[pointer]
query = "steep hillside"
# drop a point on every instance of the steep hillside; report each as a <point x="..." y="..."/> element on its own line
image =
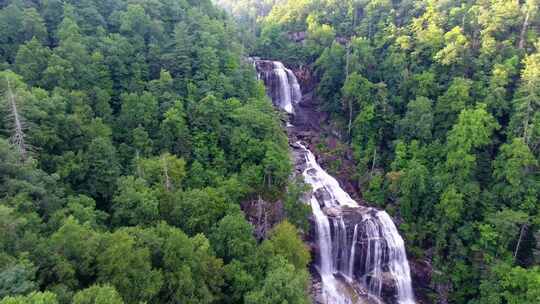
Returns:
<point x="131" y="134"/>
<point x="440" y="102"/>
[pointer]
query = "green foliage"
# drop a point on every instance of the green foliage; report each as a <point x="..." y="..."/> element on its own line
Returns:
<point x="97" y="294"/>
<point x="134" y="117"/>
<point x="32" y="60"/>
<point x="472" y="131"/>
<point x="320" y="36"/>
<point x="166" y="170"/>
<point x="514" y="171"/>
<point x="285" y="241"/>
<point x="83" y="209"/>
<point x="455" y="49"/>
<point x="135" y="203"/>
<point x="375" y="193"/>
<point x="296" y="209"/>
<point x="102" y="171"/>
<point x="198" y="209"/>
<point x="509" y="284"/>
<point x="78" y="245"/>
<point x="17" y="279"/>
<point x="329" y="67"/>
<point x="127" y="268"/>
<point x="521" y="286"/>
<point x="525" y="119"/>
<point x="418" y="121"/>
<point x="194" y="273"/>
<point x="232" y="238"/>
<point x="33" y="298"/>
<point x="238" y="282"/>
<point x="451" y="103"/>
<point x="356" y="94"/>
<point x="283" y="284"/>
<point x="135" y="113"/>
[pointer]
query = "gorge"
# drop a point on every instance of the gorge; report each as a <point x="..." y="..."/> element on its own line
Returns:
<point x="359" y="253"/>
<point x="376" y="152"/>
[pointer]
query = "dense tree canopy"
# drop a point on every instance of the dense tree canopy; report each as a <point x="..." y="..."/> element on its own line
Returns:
<point x="131" y="133"/>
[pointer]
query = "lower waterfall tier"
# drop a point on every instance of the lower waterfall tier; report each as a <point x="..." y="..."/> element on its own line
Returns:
<point x="354" y="244"/>
<point x="366" y="248"/>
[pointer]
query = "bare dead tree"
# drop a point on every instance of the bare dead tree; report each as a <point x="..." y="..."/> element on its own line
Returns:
<point x="523" y="32"/>
<point x="261" y="227"/>
<point x="530" y="9"/>
<point x="140" y="172"/>
<point x="16" y="122"/>
<point x="521" y="233"/>
<point x="168" y="185"/>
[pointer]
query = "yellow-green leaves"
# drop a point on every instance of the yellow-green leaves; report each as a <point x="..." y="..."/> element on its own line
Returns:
<point x="456" y="46"/>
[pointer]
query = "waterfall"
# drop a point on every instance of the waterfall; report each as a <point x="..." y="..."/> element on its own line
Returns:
<point x="397" y="257"/>
<point x="373" y="256"/>
<point x="296" y="93"/>
<point x="332" y="289"/>
<point x="353" y="252"/>
<point x="357" y="245"/>
<point x="283" y="85"/>
<point x="382" y="246"/>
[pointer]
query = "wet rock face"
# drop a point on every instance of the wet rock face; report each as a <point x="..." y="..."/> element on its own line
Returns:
<point x="421" y="272"/>
<point x="265" y="71"/>
<point x="263" y="215"/>
<point x="297" y="36"/>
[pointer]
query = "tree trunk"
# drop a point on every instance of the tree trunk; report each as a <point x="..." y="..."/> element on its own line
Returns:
<point x="262" y="219"/>
<point x="526" y="122"/>
<point x="522" y="231"/>
<point x="521" y="44"/>
<point x="443" y="290"/>
<point x="18" y="135"/>
<point x="139" y="169"/>
<point x="350" y="116"/>
<point x="166" y="174"/>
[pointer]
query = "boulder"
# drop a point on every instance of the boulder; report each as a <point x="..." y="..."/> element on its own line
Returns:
<point x="332" y="211"/>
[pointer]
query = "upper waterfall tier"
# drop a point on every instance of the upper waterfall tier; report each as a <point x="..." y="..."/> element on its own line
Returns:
<point x="283" y="87"/>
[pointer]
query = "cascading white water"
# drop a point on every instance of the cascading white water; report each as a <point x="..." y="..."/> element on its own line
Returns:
<point x="353" y="253"/>
<point x="319" y="180"/>
<point x="296" y="93"/>
<point x="342" y="256"/>
<point x="285" y="91"/>
<point x="375" y="249"/>
<point x="373" y="257"/>
<point x="397" y="257"/>
<point x="331" y="286"/>
<point x="283" y="85"/>
<point x="381" y="243"/>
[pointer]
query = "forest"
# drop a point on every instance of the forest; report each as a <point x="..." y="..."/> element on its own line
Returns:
<point x="130" y="133"/>
<point x="133" y="131"/>
<point x="440" y="101"/>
